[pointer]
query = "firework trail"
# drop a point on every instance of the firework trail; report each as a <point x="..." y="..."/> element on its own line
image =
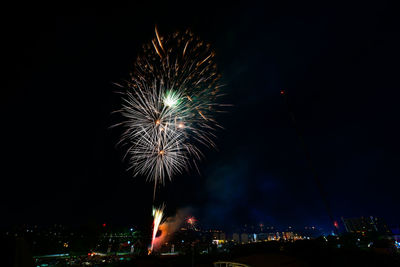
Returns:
<point x="158" y="214"/>
<point x="169" y="106"/>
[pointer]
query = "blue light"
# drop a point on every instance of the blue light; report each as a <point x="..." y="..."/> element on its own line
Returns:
<point x="131" y="229"/>
<point x="129" y="242"/>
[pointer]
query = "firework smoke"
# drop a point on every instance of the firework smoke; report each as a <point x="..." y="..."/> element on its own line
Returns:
<point x="169" y="227"/>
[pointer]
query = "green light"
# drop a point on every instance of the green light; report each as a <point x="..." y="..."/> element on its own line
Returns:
<point x="171" y="99"/>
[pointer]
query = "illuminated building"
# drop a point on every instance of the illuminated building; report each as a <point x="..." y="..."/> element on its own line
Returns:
<point x="365" y="224"/>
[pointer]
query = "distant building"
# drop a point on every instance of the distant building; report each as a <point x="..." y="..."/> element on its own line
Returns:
<point x="244" y="238"/>
<point x="253" y="238"/>
<point x="262" y="236"/>
<point x="218" y="237"/>
<point x="277" y="237"/>
<point x="235" y="237"/>
<point x="396" y="233"/>
<point x="288" y="235"/>
<point x="365" y="225"/>
<point x="215" y="235"/>
<point x="272" y="236"/>
<point x="311" y="231"/>
<point x="222" y="236"/>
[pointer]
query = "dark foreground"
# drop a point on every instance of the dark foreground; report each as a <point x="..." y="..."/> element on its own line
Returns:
<point x="299" y="253"/>
<point x="307" y="255"/>
<point x="317" y="252"/>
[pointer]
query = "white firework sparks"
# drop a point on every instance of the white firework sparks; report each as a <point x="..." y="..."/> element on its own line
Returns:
<point x="158" y="214"/>
<point x="169" y="106"/>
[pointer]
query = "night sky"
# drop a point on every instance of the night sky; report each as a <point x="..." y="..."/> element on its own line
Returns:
<point x="339" y="64"/>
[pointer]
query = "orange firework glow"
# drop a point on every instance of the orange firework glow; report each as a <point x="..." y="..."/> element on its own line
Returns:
<point x="168" y="228"/>
<point x="158" y="217"/>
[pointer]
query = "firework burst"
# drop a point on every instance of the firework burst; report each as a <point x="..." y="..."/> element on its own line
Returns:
<point x="191" y="222"/>
<point x="169" y="106"/>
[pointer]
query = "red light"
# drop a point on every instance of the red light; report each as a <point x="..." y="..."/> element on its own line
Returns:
<point x="104" y="225"/>
<point x="191" y="220"/>
<point x="282" y="92"/>
<point x="336" y="224"/>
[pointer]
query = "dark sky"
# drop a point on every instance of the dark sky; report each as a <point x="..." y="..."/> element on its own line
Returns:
<point x="338" y="62"/>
